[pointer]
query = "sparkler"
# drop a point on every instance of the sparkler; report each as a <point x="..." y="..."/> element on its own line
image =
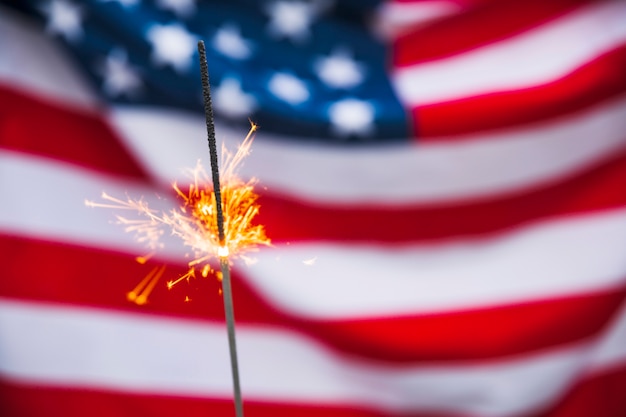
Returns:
<point x="223" y="254"/>
<point x="215" y="222"/>
<point x="195" y="221"/>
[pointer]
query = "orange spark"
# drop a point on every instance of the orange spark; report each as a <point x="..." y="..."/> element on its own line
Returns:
<point x="195" y="222"/>
<point x="139" y="294"/>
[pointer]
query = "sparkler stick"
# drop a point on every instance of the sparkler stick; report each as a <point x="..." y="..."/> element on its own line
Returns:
<point x="223" y="252"/>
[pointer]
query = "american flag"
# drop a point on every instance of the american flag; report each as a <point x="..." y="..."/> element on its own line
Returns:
<point x="444" y="183"/>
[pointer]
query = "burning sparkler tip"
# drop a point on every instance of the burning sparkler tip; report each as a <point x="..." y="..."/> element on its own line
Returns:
<point x="222" y="252"/>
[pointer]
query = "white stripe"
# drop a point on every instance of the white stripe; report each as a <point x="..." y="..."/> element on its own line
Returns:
<point x="402" y="13"/>
<point x="79" y="347"/>
<point x="36" y="64"/>
<point x="567" y="256"/>
<point x="557" y="258"/>
<point x="46" y="200"/>
<point x="538" y="56"/>
<point x="478" y="166"/>
<point x="394" y="18"/>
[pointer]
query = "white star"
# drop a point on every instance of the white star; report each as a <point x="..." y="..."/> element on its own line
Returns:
<point x="119" y="77"/>
<point x="339" y="70"/>
<point x="228" y="41"/>
<point x="352" y="116"/>
<point x="172" y="44"/>
<point x="290" y="19"/>
<point x="289" y="88"/>
<point x="231" y="101"/>
<point x="182" y="8"/>
<point x="65" y="19"/>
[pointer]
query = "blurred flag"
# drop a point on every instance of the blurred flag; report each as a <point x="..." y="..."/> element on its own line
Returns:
<point x="444" y="183"/>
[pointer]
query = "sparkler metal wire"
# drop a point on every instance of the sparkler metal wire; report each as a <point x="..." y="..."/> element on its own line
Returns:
<point x="224" y="264"/>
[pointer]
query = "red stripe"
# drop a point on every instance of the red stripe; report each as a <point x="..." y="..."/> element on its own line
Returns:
<point x="65" y="274"/>
<point x="602" y="395"/>
<point x="599" y="187"/>
<point x="476" y="27"/>
<point x="599" y="80"/>
<point x="476" y="334"/>
<point x="32" y="125"/>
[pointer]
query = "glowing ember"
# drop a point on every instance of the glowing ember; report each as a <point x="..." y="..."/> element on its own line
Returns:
<point x="195" y="223"/>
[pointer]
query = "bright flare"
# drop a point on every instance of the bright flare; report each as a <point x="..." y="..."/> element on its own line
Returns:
<point x="195" y="221"/>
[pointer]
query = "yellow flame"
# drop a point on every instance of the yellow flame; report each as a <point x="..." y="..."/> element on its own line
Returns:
<point x="195" y="220"/>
